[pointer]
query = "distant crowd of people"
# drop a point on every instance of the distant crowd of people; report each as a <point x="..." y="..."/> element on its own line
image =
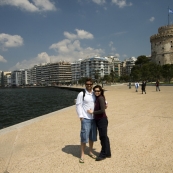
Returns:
<point x="143" y="86"/>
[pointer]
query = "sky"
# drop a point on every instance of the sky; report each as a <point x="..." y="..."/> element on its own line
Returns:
<point x="47" y="31"/>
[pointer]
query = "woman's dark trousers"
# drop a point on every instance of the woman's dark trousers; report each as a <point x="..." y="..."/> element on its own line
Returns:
<point x="102" y="125"/>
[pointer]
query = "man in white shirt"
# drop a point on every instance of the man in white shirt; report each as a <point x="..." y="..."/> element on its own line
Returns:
<point x="136" y="86"/>
<point x="85" y="101"/>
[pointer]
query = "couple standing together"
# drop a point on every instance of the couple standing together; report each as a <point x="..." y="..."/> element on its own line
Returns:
<point x="90" y="107"/>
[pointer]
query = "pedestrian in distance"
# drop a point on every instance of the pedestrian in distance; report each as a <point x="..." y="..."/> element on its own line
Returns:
<point x="157" y="85"/>
<point x="136" y="86"/>
<point x="101" y="122"/>
<point x="88" y="131"/>
<point x="143" y="87"/>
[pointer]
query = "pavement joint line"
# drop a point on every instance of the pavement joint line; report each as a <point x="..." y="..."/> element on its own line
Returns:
<point x="12" y="151"/>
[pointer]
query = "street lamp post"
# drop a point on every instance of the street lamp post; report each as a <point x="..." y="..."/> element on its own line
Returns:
<point x="102" y="77"/>
<point x="130" y="83"/>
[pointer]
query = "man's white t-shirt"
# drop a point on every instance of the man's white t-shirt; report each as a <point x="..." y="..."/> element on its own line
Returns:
<point x="83" y="105"/>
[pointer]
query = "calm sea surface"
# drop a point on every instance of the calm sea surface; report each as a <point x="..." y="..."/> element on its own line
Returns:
<point x="18" y="105"/>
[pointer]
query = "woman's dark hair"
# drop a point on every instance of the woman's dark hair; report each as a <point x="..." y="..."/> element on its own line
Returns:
<point x="100" y="88"/>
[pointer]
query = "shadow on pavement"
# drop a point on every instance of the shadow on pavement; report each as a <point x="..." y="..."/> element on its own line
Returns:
<point x="75" y="150"/>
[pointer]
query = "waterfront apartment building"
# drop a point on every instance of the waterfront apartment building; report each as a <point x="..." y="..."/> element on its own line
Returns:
<point x="76" y="71"/>
<point x="33" y="80"/>
<point x="64" y="72"/>
<point x="128" y="65"/>
<point x="162" y="45"/>
<point x="114" y="65"/>
<point x="95" y="67"/>
<point x="51" y="73"/>
<point x="1" y="78"/>
<point x="60" y="72"/>
<point x="16" y="78"/>
<point x="20" y="77"/>
<point x="40" y="74"/>
<point x="5" y="78"/>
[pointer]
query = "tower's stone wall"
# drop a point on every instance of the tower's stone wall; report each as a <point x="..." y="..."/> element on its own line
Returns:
<point x="162" y="45"/>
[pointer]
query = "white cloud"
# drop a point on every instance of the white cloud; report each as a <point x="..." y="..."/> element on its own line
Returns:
<point x="99" y="2"/>
<point x="67" y="50"/>
<point x="25" y="64"/>
<point x="113" y="49"/>
<point x="152" y="19"/>
<point x="81" y="34"/>
<point x="120" y="33"/>
<point x="117" y="55"/>
<point x="121" y="3"/>
<point x="44" y="5"/>
<point x="71" y="50"/>
<point x="34" y="6"/>
<point x="2" y="59"/>
<point x="125" y="56"/>
<point x="111" y="43"/>
<point x="7" y="41"/>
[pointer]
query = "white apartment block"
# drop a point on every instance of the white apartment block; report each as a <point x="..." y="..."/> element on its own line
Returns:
<point x="16" y="78"/>
<point x="76" y="71"/>
<point x="5" y="78"/>
<point x="20" y="77"/>
<point x="65" y="72"/>
<point x="95" y="66"/>
<point x="114" y="65"/>
<point x="51" y="73"/>
<point x="128" y="65"/>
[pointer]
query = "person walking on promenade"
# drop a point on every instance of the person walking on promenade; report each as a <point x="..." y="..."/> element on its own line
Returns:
<point x="136" y="86"/>
<point x="157" y="85"/>
<point x="143" y="87"/>
<point x="101" y="122"/>
<point x="85" y="100"/>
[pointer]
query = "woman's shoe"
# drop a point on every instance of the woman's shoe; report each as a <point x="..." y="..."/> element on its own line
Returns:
<point x="108" y="156"/>
<point x="100" y="158"/>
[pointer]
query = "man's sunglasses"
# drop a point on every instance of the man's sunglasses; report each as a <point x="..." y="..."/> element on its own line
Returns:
<point x="89" y="84"/>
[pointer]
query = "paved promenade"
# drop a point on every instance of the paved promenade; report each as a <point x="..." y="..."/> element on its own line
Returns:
<point x="140" y="131"/>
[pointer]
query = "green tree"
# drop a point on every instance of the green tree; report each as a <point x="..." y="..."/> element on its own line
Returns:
<point x="136" y="73"/>
<point x="82" y="80"/>
<point x="167" y="72"/>
<point x="125" y="78"/>
<point x="145" y="72"/>
<point x="142" y="60"/>
<point x="96" y="75"/>
<point x="107" y="78"/>
<point x="113" y="76"/>
<point x="155" y="71"/>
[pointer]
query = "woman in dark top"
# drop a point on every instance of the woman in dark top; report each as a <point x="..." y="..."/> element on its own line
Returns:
<point x="143" y="86"/>
<point x="101" y="122"/>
